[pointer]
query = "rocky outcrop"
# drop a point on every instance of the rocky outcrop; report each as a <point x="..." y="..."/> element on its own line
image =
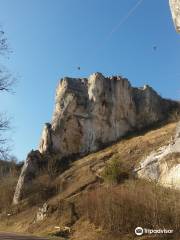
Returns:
<point x="163" y="165"/>
<point x="42" y="213"/>
<point x="29" y="171"/>
<point x="175" y="10"/>
<point x="46" y="139"/>
<point x="90" y="113"/>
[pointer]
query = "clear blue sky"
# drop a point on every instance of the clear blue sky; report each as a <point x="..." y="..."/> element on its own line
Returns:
<point x="51" y="38"/>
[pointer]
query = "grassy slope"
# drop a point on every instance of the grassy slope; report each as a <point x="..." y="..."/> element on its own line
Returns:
<point x="129" y="150"/>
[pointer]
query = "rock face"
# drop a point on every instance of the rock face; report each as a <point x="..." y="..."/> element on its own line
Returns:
<point x="42" y="213"/>
<point x="90" y="113"/>
<point x="163" y="165"/>
<point x="29" y="171"/>
<point x="175" y="10"/>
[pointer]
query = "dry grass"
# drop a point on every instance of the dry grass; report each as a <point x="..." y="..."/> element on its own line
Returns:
<point x="7" y="187"/>
<point x="117" y="208"/>
<point x="39" y="190"/>
<point x="172" y="159"/>
<point x="128" y="152"/>
<point x="136" y="203"/>
<point x="132" y="149"/>
<point x="9" y="172"/>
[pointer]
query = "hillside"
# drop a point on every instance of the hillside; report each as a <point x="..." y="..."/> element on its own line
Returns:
<point x="89" y="114"/>
<point x="77" y="197"/>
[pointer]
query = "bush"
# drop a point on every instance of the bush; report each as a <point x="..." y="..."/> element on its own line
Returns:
<point x="54" y="165"/>
<point x="7" y="187"/>
<point x="137" y="203"/>
<point x="9" y="173"/>
<point x="174" y="113"/>
<point x="10" y="168"/>
<point x="116" y="171"/>
<point x="39" y="190"/>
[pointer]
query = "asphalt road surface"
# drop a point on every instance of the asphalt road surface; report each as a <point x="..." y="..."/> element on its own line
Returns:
<point x="13" y="236"/>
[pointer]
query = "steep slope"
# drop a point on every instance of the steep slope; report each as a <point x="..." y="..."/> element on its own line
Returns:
<point x="129" y="152"/>
<point x="84" y="175"/>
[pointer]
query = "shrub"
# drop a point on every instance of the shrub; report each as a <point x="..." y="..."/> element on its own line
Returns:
<point x="136" y="203"/>
<point x="54" y="165"/>
<point x="7" y="187"/>
<point x="174" y="113"/>
<point x="116" y="171"/>
<point x="10" y="168"/>
<point x="39" y="190"/>
<point x="9" y="172"/>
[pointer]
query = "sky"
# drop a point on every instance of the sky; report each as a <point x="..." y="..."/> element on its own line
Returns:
<point x="50" y="39"/>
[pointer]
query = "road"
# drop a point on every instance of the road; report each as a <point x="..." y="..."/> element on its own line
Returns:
<point x="13" y="236"/>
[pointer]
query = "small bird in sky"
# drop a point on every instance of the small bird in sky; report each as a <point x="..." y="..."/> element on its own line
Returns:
<point x="78" y="68"/>
<point x="154" y="48"/>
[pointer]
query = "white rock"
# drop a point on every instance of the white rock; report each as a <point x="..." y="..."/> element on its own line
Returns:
<point x="42" y="213"/>
<point x="175" y="10"/>
<point x="92" y="112"/>
<point x="29" y="171"/>
<point x="158" y="166"/>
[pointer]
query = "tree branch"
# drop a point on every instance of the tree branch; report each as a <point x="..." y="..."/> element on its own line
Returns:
<point x="3" y="43"/>
<point x="6" y="81"/>
<point x="4" y="126"/>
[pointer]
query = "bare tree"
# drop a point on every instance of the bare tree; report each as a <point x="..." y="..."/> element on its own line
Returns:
<point x="6" y="82"/>
<point x="3" y="42"/>
<point x="4" y="126"/>
<point x="6" y="79"/>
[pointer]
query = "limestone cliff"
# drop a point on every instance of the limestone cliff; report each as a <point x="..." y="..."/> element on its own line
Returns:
<point x="175" y="10"/>
<point x="90" y="113"/>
